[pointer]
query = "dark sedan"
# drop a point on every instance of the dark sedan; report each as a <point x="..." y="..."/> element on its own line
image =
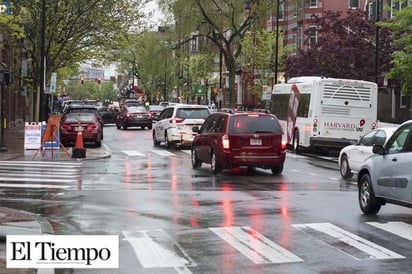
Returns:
<point x="91" y="128"/>
<point x="134" y="116"/>
<point x="108" y="116"/>
<point x="155" y="111"/>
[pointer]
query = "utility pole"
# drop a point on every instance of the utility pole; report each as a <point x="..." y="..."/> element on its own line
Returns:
<point x="42" y="97"/>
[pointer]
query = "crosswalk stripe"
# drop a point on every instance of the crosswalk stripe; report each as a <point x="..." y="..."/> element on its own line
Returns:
<point x="373" y="250"/>
<point x="34" y="186"/>
<point x="255" y="246"/>
<point x="133" y="153"/>
<point x="31" y="174"/>
<point x="164" y="153"/>
<point x="400" y="229"/>
<point x="152" y="254"/>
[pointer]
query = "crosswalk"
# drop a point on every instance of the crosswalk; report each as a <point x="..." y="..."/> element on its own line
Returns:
<point x="157" y="152"/>
<point x="39" y="174"/>
<point x="157" y="249"/>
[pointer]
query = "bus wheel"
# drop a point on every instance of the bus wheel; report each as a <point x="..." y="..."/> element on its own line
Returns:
<point x="295" y="141"/>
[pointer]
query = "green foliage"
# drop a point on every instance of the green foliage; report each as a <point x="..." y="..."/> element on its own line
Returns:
<point x="224" y="23"/>
<point x="91" y="90"/>
<point x="76" y="30"/>
<point x="402" y="56"/>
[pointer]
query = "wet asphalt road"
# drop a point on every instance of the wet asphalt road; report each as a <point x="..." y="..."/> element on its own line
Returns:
<point x="173" y="219"/>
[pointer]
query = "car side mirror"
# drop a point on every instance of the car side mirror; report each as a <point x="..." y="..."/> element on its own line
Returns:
<point x="378" y="149"/>
<point x="196" y="129"/>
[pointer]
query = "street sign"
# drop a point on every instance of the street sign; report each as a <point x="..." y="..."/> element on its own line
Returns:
<point x="53" y="81"/>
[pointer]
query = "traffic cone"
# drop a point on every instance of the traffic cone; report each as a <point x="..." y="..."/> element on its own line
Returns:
<point x="79" y="151"/>
<point x="79" y="140"/>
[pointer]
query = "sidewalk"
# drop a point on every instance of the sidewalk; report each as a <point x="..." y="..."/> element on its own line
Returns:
<point x="18" y="222"/>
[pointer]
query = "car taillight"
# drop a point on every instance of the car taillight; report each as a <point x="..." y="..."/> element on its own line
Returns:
<point x="128" y="115"/>
<point x="176" y="120"/>
<point x="225" y="142"/>
<point x="66" y="127"/>
<point x="283" y="145"/>
<point x="92" y="127"/>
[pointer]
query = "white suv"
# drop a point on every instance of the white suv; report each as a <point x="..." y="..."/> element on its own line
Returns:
<point x="175" y="124"/>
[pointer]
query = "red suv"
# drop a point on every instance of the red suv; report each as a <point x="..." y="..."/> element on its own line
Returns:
<point x="251" y="139"/>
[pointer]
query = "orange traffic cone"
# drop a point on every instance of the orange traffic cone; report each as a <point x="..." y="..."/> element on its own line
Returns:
<point x="79" y="140"/>
<point x="79" y="151"/>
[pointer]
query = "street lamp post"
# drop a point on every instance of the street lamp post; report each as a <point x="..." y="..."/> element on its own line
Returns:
<point x="277" y="40"/>
<point x="42" y="105"/>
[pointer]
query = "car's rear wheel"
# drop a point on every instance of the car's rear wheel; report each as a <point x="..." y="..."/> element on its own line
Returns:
<point x="367" y="200"/>
<point x="215" y="166"/>
<point x="155" y="141"/>
<point x="118" y="126"/>
<point x="344" y="168"/>
<point x="196" y="163"/>
<point x="277" y="169"/>
<point x="167" y="143"/>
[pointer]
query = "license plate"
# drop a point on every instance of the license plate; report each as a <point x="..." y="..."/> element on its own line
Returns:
<point x="138" y="116"/>
<point x="255" y="142"/>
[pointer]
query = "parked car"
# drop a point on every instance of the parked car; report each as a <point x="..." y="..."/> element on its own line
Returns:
<point x="155" y="111"/>
<point x="108" y="116"/>
<point x="250" y="139"/>
<point x="82" y="108"/>
<point x="133" y="116"/>
<point x="92" y="128"/>
<point x="175" y="124"/>
<point x="352" y="157"/>
<point x="386" y="177"/>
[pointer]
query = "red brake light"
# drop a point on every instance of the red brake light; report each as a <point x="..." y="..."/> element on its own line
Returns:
<point x="128" y="115"/>
<point x="225" y="142"/>
<point x="66" y="127"/>
<point x="283" y="145"/>
<point x="93" y="126"/>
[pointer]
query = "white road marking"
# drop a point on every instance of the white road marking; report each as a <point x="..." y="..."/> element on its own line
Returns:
<point x="151" y="254"/>
<point x="400" y="229"/>
<point x="33" y="186"/>
<point x="164" y="153"/>
<point x="373" y="250"/>
<point x="133" y="153"/>
<point x="255" y="246"/>
<point x="186" y="151"/>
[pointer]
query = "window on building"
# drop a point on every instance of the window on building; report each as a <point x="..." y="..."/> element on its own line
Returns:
<point x="404" y="101"/>
<point x="353" y="4"/>
<point x="372" y="10"/>
<point x="313" y="3"/>
<point x="194" y="43"/>
<point x="282" y="11"/>
<point x="299" y="38"/>
<point x="398" y="5"/>
<point x="313" y="36"/>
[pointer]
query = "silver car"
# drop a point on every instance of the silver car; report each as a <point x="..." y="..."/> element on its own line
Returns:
<point x="386" y="177"/>
<point x="352" y="157"/>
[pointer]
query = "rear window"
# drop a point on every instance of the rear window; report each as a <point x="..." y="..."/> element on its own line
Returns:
<point x="192" y="113"/>
<point x="136" y="109"/>
<point x="254" y="124"/>
<point x="80" y="118"/>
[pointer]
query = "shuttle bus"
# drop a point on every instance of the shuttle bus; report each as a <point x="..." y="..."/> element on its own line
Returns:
<point x="324" y="113"/>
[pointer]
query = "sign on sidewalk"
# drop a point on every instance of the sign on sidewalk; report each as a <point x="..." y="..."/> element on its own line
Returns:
<point x="32" y="135"/>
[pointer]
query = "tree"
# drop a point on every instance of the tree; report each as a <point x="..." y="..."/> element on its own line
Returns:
<point x="402" y="56"/>
<point x="345" y="48"/>
<point x="75" y="30"/>
<point x="224" y="23"/>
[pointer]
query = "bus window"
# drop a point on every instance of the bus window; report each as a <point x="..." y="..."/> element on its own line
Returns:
<point x="303" y="108"/>
<point x="279" y="105"/>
